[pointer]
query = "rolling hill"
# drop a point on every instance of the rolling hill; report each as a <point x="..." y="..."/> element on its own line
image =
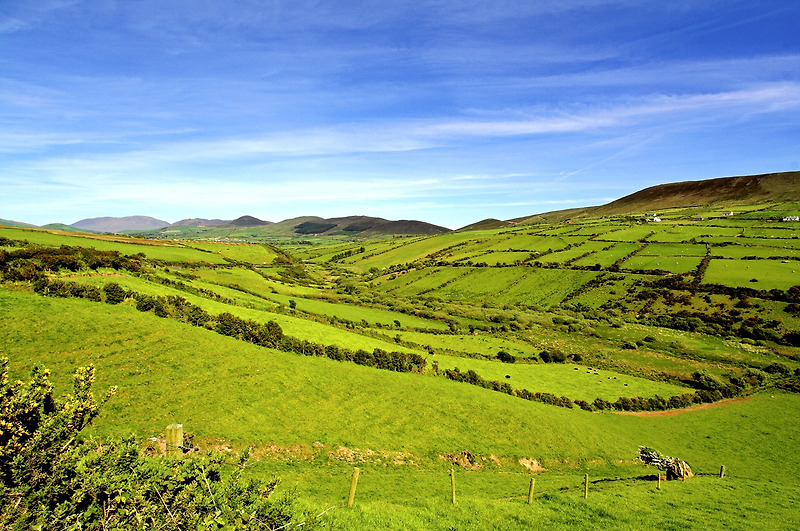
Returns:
<point x="120" y="224"/>
<point x="727" y="190"/>
<point x="612" y="326"/>
<point x="199" y="222"/>
<point x="723" y="192"/>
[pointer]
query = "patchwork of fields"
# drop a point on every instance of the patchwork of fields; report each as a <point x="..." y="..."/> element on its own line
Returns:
<point x="554" y="328"/>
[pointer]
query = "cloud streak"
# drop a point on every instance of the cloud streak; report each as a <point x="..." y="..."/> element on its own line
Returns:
<point x="437" y="107"/>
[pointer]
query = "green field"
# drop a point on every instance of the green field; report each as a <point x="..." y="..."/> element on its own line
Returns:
<point x="155" y="251"/>
<point x="457" y="300"/>
<point x="672" y="264"/>
<point x="758" y="274"/>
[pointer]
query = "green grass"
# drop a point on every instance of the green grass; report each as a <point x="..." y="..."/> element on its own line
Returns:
<point x="237" y="391"/>
<point x="252" y="281"/>
<point x="481" y="344"/>
<point x="629" y="234"/>
<point x="481" y="283"/>
<point x="156" y="251"/>
<point x="607" y="257"/>
<point x="502" y="257"/>
<point x="622" y="504"/>
<point x="673" y="249"/>
<point x="258" y="310"/>
<point x="609" y="290"/>
<point x="770" y="274"/>
<point x="740" y="251"/>
<point x="416" y="282"/>
<point x="251" y="254"/>
<point x="226" y="391"/>
<point x="672" y="264"/>
<point x="572" y="380"/>
<point x="545" y="287"/>
<point x="575" y="252"/>
<point x="352" y="312"/>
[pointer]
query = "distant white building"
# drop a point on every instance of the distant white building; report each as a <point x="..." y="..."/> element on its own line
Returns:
<point x="653" y="217"/>
<point x="791" y="218"/>
<point x="728" y="213"/>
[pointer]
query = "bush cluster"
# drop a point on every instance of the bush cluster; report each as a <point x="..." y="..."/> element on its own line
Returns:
<point x="53" y="478"/>
<point x="30" y="263"/>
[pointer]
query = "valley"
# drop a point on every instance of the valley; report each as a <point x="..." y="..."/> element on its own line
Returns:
<point x="480" y="350"/>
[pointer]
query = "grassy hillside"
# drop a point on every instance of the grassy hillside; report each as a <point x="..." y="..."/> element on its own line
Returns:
<point x="227" y="392"/>
<point x="221" y="388"/>
<point x="748" y="189"/>
<point x="603" y="315"/>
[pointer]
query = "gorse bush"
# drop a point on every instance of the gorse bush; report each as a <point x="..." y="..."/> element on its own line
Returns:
<point x="51" y="478"/>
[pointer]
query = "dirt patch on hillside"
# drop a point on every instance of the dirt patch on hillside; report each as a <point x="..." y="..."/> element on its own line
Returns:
<point x="534" y="465"/>
<point x="671" y="412"/>
<point x="367" y="455"/>
<point x="467" y="459"/>
<point x="275" y="452"/>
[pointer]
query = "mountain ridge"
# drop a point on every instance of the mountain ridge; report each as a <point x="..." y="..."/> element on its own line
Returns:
<point x="721" y="191"/>
<point x="119" y="224"/>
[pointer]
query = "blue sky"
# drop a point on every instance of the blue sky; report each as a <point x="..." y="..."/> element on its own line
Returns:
<point x="444" y="111"/>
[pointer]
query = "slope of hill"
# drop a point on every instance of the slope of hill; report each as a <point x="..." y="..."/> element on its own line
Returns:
<point x="590" y="312"/>
<point x="364" y="226"/>
<point x="489" y="224"/>
<point x="119" y="224"/>
<point x="723" y="192"/>
<point x="247" y="221"/>
<point x="729" y="190"/>
<point x="63" y="227"/>
<point x="199" y="222"/>
<point x="11" y="223"/>
<point x="367" y="225"/>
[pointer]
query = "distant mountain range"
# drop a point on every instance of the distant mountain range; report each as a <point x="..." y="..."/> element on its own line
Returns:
<point x="309" y="225"/>
<point x="723" y="191"/>
<point x="111" y="224"/>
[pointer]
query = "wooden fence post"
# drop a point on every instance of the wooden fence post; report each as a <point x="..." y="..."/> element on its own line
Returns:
<point x="586" y="487"/>
<point x="174" y="444"/>
<point x="659" y="481"/>
<point x="722" y="471"/>
<point x="452" y="486"/>
<point x="353" y="483"/>
<point x="530" y="491"/>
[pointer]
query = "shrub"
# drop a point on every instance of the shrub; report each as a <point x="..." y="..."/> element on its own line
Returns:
<point x="553" y="356"/>
<point x="505" y="357"/>
<point x="115" y="293"/>
<point x="704" y="381"/>
<point x="50" y="477"/>
<point x="778" y="369"/>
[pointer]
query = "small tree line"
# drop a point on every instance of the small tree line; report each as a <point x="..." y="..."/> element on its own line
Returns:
<point x="710" y="389"/>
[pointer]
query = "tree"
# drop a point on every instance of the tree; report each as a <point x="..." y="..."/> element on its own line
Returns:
<point x="674" y="467"/>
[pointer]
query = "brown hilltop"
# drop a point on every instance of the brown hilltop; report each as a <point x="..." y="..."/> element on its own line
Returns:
<point x="748" y="188"/>
<point x="723" y="191"/>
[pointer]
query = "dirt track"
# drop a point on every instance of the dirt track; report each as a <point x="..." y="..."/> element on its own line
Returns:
<point x="671" y="412"/>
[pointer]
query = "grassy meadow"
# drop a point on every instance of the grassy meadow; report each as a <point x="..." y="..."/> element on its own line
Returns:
<point x="590" y="309"/>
